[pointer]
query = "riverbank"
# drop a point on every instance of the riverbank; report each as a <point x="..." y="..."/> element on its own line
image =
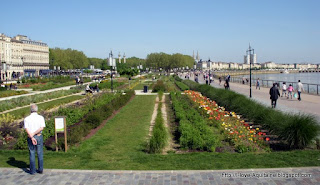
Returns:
<point x="247" y="72"/>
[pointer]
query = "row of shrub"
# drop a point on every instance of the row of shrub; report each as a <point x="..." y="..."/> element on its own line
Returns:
<point x="49" y="83"/>
<point x="181" y="86"/>
<point x="54" y="79"/>
<point x="297" y="130"/>
<point x="26" y="100"/>
<point x="7" y="93"/>
<point x="73" y="114"/>
<point x="106" y="84"/>
<point x="158" y="139"/>
<point x="159" y="87"/>
<point x="194" y="133"/>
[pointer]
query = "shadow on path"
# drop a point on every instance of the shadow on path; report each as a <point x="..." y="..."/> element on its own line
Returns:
<point x="19" y="164"/>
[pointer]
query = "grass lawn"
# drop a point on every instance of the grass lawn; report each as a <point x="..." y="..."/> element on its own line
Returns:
<point x="120" y="143"/>
<point x="140" y="86"/>
<point x="20" y="113"/>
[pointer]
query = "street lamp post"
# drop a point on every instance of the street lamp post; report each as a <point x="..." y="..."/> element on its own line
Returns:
<point x="111" y="64"/>
<point x="250" y="53"/>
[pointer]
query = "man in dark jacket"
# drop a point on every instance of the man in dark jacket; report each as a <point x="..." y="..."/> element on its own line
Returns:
<point x="274" y="94"/>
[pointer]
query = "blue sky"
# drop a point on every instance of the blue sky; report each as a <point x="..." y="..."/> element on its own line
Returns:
<point x="284" y="31"/>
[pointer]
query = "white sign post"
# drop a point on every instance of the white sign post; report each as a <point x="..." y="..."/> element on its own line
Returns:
<point x="60" y="126"/>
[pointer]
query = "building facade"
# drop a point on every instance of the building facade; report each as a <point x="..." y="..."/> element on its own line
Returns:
<point x="20" y="56"/>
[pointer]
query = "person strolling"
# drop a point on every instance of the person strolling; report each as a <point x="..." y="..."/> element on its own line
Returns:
<point x="290" y="90"/>
<point x="34" y="124"/>
<point x="258" y="84"/>
<point x="274" y="94"/>
<point x="284" y="89"/>
<point x="300" y="89"/>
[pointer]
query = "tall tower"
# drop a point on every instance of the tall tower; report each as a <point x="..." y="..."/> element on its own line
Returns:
<point x="194" y="57"/>
<point x="198" y="58"/>
<point x="119" y="57"/>
<point x="124" y="57"/>
<point x="250" y="57"/>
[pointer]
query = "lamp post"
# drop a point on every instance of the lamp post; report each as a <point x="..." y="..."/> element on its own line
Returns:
<point x="250" y="54"/>
<point x="111" y="64"/>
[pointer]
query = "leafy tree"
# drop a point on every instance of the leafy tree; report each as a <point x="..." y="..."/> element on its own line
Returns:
<point x="67" y="58"/>
<point x="166" y="61"/>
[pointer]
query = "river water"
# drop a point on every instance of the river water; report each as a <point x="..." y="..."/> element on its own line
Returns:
<point x="310" y="81"/>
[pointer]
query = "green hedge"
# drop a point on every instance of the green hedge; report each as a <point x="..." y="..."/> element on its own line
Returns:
<point x="159" y="86"/>
<point x="107" y="84"/>
<point x="182" y="86"/>
<point x="297" y="130"/>
<point x="158" y="139"/>
<point x="194" y="132"/>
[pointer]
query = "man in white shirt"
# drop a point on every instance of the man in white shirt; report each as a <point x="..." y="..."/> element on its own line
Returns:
<point x="34" y="125"/>
<point x="300" y="89"/>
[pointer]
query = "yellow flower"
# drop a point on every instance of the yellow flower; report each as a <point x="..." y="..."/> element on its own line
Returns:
<point x="257" y="128"/>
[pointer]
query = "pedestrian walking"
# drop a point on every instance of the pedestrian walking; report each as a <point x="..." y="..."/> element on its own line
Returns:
<point x="34" y="124"/>
<point x="258" y="84"/>
<point x="274" y="94"/>
<point x="219" y="80"/>
<point x="300" y="89"/>
<point x="290" y="90"/>
<point x="284" y="89"/>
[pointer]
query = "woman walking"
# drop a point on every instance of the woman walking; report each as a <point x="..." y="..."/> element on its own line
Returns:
<point x="290" y="90"/>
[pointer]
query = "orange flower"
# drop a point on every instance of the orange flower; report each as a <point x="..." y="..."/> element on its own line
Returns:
<point x="267" y="139"/>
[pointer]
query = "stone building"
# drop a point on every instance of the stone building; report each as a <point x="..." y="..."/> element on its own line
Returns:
<point x="21" y="56"/>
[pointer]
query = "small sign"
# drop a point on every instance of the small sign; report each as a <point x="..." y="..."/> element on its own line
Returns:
<point x="59" y="124"/>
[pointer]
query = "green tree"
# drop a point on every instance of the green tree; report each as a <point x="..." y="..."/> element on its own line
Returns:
<point x="67" y="58"/>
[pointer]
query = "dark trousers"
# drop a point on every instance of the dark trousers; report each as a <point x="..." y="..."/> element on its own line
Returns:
<point x="299" y="95"/>
<point x="273" y="103"/>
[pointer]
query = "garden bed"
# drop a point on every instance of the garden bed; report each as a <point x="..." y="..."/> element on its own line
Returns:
<point x="297" y="131"/>
<point x="26" y="100"/>
<point x="7" y="93"/>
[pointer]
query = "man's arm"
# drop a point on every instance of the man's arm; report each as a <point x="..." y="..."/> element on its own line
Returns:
<point x="30" y="134"/>
<point x="38" y="131"/>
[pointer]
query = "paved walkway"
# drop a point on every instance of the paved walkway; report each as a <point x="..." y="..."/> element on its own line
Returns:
<point x="310" y="104"/>
<point x="277" y="176"/>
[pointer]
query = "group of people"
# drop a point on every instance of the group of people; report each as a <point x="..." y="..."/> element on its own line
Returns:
<point x="275" y="93"/>
<point x="90" y="89"/>
<point x="78" y="80"/>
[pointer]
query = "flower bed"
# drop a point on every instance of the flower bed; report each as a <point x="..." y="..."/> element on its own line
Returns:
<point x="240" y="134"/>
<point x="296" y="130"/>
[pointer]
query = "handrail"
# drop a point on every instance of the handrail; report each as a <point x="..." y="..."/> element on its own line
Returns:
<point x="308" y="88"/>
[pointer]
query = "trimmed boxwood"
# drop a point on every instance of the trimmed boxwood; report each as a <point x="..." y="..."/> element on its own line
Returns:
<point x="182" y="86"/>
<point x="298" y="130"/>
<point x="158" y="139"/>
<point x="194" y="132"/>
